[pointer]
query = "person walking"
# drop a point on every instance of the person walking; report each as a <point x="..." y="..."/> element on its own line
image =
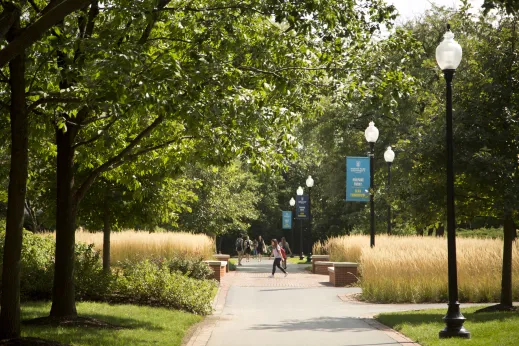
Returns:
<point x="261" y="248"/>
<point x="284" y="244"/>
<point x="254" y="248"/>
<point x="248" y="248"/>
<point x="239" y="249"/>
<point x="276" y="252"/>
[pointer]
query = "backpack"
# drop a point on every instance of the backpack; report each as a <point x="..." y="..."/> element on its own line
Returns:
<point x="283" y="253"/>
<point x="239" y="244"/>
<point x="247" y="244"/>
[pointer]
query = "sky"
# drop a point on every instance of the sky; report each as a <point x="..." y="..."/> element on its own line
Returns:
<point x="409" y="9"/>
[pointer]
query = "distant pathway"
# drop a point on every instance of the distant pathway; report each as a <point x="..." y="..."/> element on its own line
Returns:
<point x="302" y="309"/>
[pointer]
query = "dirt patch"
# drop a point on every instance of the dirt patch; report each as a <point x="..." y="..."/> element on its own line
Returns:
<point x="30" y="342"/>
<point x="83" y="322"/>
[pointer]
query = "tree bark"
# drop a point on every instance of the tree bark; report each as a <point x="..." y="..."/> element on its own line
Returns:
<point x="506" y="278"/>
<point x="106" y="239"/>
<point x="440" y="231"/>
<point x="10" y="301"/>
<point x="63" y="293"/>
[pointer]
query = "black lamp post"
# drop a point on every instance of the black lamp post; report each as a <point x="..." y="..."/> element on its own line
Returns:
<point x="292" y="204"/>
<point x="448" y="56"/>
<point x="309" y="184"/>
<point x="301" y="256"/>
<point x="389" y="156"/>
<point x="371" y="135"/>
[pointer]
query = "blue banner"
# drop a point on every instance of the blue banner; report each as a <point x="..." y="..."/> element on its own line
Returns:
<point x="357" y="179"/>
<point x="302" y="207"/>
<point x="287" y="220"/>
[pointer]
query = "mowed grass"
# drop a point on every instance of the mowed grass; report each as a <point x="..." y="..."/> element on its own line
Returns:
<point x="414" y="269"/>
<point x="135" y="246"/>
<point x="142" y="325"/>
<point x="487" y="329"/>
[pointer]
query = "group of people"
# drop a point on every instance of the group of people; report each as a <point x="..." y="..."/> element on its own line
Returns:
<point x="245" y="247"/>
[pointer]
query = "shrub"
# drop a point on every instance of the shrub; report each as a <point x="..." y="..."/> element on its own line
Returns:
<point x="195" y="269"/>
<point x="37" y="269"/>
<point x="150" y="284"/>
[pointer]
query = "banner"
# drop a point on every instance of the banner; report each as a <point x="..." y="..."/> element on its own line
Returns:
<point x="302" y="207"/>
<point x="357" y="179"/>
<point x="287" y="220"/>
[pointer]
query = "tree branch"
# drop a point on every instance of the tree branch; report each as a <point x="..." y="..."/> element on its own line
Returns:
<point x="46" y="100"/>
<point x="153" y="19"/>
<point x="96" y="137"/>
<point x="35" y="31"/>
<point x="110" y="164"/>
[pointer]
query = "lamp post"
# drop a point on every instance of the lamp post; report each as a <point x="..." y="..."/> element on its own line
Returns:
<point x="448" y="57"/>
<point x="309" y="184"/>
<point x="389" y="156"/>
<point x="371" y="135"/>
<point x="292" y="204"/>
<point x="301" y="256"/>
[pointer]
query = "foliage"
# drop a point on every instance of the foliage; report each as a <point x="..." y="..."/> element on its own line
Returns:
<point x="496" y="328"/>
<point x="494" y="233"/>
<point x="37" y="269"/>
<point x="150" y="284"/>
<point x="141" y="325"/>
<point x="196" y="269"/>
<point x="227" y="200"/>
<point x="414" y="269"/>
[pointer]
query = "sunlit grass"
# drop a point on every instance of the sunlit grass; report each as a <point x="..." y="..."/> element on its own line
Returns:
<point x="414" y="269"/>
<point x="141" y="325"/>
<point x="496" y="328"/>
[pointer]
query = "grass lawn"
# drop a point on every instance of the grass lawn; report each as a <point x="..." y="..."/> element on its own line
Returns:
<point x="497" y="328"/>
<point x="296" y="260"/>
<point x="142" y="325"/>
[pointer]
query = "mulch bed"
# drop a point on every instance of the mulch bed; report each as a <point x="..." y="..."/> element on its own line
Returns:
<point x="71" y="322"/>
<point x="30" y="342"/>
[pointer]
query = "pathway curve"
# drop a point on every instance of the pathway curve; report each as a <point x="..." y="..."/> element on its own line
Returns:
<point x="301" y="309"/>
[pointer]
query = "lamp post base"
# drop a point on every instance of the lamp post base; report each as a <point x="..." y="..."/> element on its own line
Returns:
<point x="454" y="323"/>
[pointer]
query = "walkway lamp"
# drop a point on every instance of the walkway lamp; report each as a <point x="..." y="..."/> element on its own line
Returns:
<point x="448" y="57"/>
<point x="301" y="256"/>
<point x="389" y="156"/>
<point x="309" y="184"/>
<point x="371" y="135"/>
<point x="292" y="204"/>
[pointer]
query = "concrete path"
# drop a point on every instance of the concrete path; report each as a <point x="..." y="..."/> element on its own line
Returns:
<point x="302" y="309"/>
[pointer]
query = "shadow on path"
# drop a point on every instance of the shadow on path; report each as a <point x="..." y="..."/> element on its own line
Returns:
<point x="319" y="324"/>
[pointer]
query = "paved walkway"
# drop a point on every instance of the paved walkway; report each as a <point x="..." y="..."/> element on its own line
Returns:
<point x="301" y="309"/>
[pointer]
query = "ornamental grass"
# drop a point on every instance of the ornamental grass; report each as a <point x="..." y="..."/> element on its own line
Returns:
<point x="414" y="269"/>
<point x="130" y="245"/>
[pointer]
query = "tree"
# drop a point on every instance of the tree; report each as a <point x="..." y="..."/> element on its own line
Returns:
<point x="238" y="78"/>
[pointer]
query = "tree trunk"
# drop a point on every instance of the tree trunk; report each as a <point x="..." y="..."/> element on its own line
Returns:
<point x="506" y="279"/>
<point x="440" y="231"/>
<point x="10" y="301"/>
<point x="106" y="239"/>
<point x="63" y="293"/>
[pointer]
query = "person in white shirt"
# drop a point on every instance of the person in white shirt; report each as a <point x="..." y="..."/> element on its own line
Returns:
<point x="276" y="252"/>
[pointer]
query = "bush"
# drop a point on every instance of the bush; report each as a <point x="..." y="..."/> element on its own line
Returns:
<point x="150" y="284"/>
<point x="37" y="269"/>
<point x="195" y="269"/>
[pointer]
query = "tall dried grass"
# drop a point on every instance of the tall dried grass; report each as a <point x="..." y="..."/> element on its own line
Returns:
<point x="132" y="245"/>
<point x="414" y="269"/>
